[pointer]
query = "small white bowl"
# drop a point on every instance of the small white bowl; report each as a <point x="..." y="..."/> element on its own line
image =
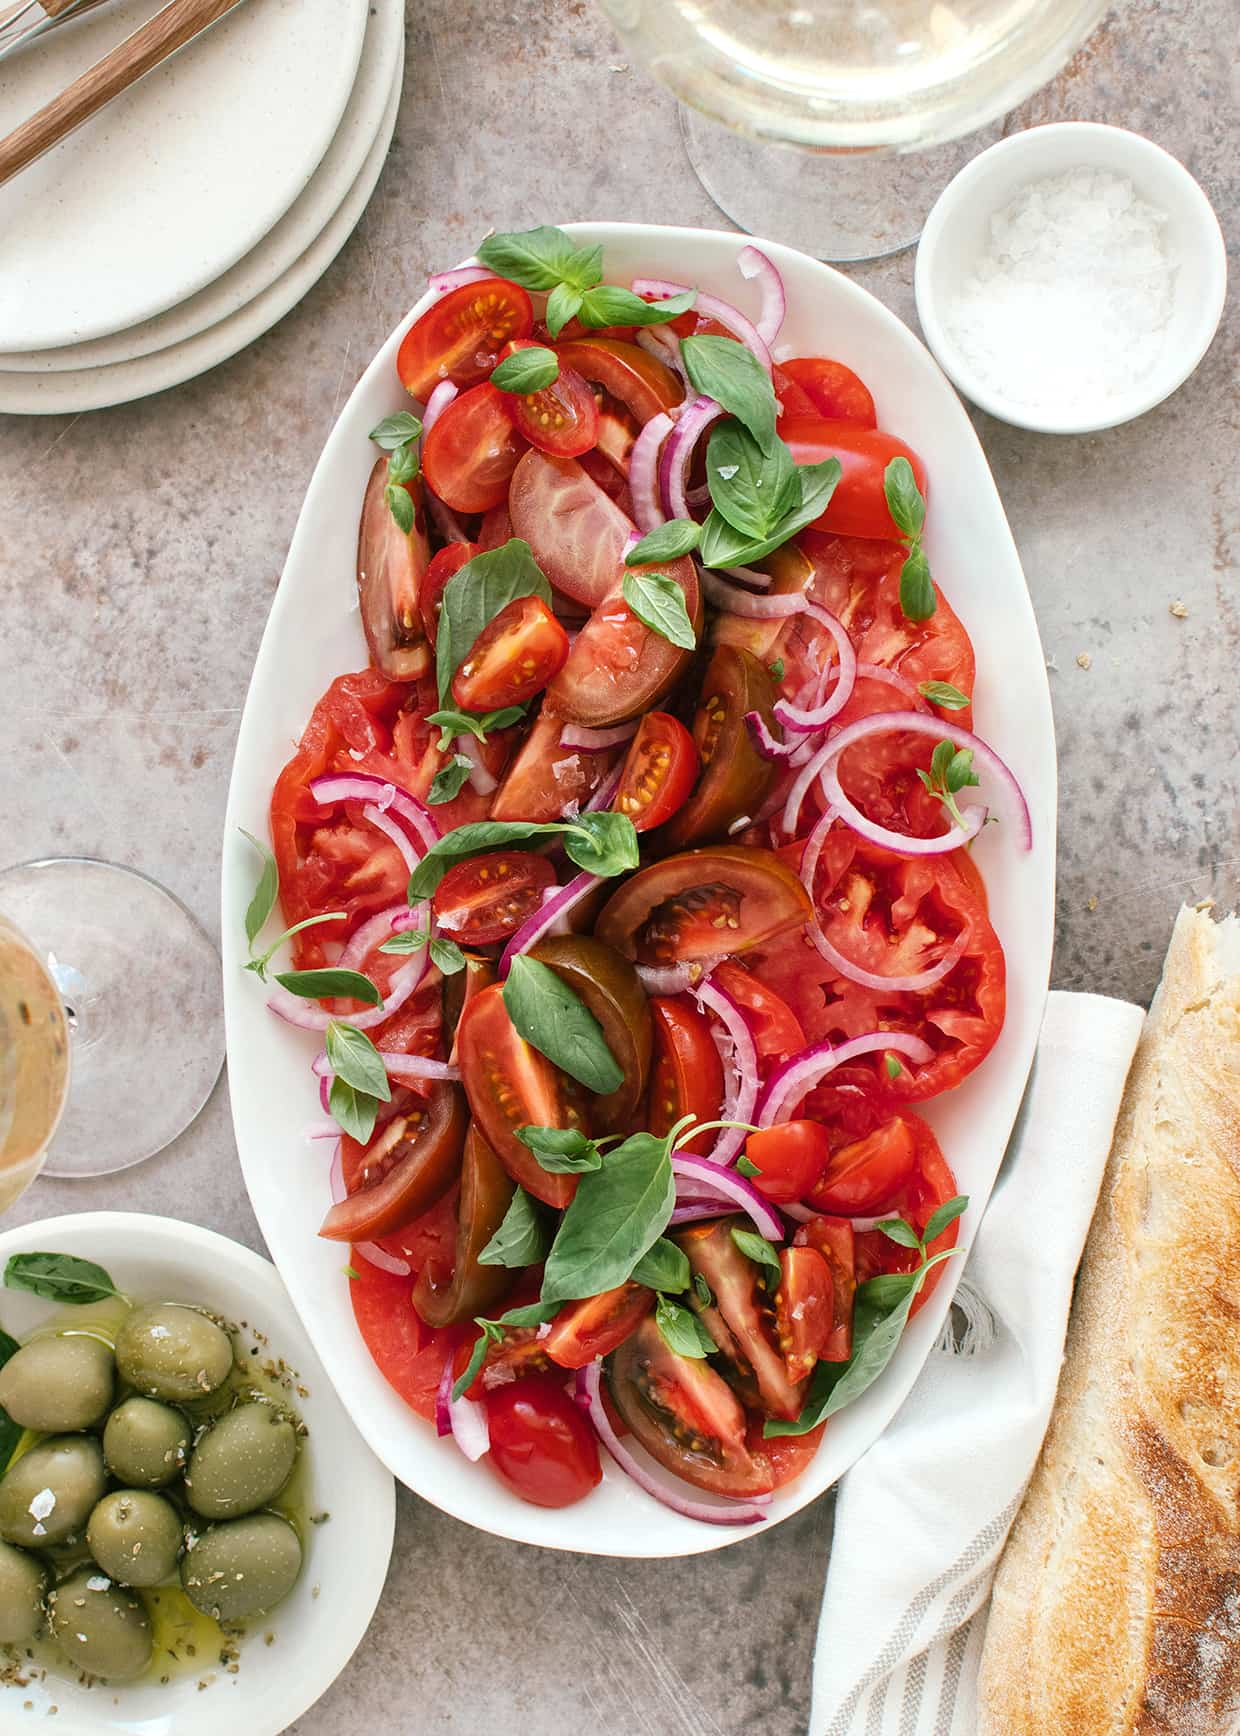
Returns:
<point x="320" y="1624"/>
<point x="957" y="233"/>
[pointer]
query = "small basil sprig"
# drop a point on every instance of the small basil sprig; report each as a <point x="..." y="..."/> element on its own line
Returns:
<point x="523" y="1237"/>
<point x="546" y="261"/>
<point x="449" y="780"/>
<point x="659" y="603"/>
<point x="663" y="1267"/>
<point x="618" y="1212"/>
<point x="760" y="499"/>
<point x="561" y="1150"/>
<point x="746" y="1166"/>
<point x="681" y="1330"/>
<point x="604" y="844"/>
<point x="263" y="903"/>
<point x="942" y="693"/>
<point x="476" y="723"/>
<point x="951" y="770"/>
<point x="360" y="1083"/>
<point x="474" y="596"/>
<point x="321" y="985"/>
<point x="757" y="1248"/>
<point x="531" y="369"/>
<point x="59" y="1278"/>
<point x="446" y="954"/>
<point x="666" y="542"/>
<point x="398" y="436"/>
<point x="534" y="1314"/>
<point x="555" y="1020"/>
<point x="908" y="513"/>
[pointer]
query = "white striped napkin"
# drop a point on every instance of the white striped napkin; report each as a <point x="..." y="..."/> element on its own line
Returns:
<point x="921" y="1520"/>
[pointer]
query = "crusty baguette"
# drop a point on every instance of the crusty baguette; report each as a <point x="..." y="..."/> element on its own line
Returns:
<point x="1116" y="1608"/>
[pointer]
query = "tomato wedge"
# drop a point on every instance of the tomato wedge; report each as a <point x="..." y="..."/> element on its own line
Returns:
<point x="686" y="1075"/>
<point x="611" y="989"/>
<point x="659" y="771"/>
<point x="638" y="380"/>
<point x="487" y="898"/>
<point x="460" y="337"/>
<point x="594" y="1327"/>
<point x="835" y="1241"/>
<point x="859" y="505"/>
<point x="545" y="778"/>
<point x="735" y="779"/>
<point x="830" y="390"/>
<point x="472" y="450"/>
<point x="408" y="1164"/>
<point x="618" y="667"/>
<point x="448" y="1297"/>
<point x="576" y="532"/>
<point x="803" y="1309"/>
<point x="789" y="1158"/>
<point x="726" y="898"/>
<point x="512" y="659"/>
<point x="741" y="1319"/>
<point x="444" y="566"/>
<point x="931" y="1185"/>
<point x="859" y="1178"/>
<point x="390" y="573"/>
<point x="561" y="418"/>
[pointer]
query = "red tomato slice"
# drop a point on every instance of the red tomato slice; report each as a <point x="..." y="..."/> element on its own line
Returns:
<point x="626" y="372"/>
<point x="792" y="399"/>
<point x="575" y="530"/>
<point x="931" y="1185"/>
<point x="444" y="566"/>
<point x="561" y="418"/>
<point x="542" y="1445"/>
<point x="460" y="337"/>
<point x="660" y="769"/>
<point x="686" y="1074"/>
<point x="777" y="1032"/>
<point x="487" y="898"/>
<point x="790" y="1158"/>
<point x="787" y="1455"/>
<point x="546" y="778"/>
<point x="803" y="1309"/>
<point x="472" y="450"/>
<point x="409" y="1163"/>
<point x="832" y="391"/>
<point x="835" y="1241"/>
<point x="512" y="659"/>
<point x="859" y="506"/>
<point x="408" y="1354"/>
<point x="594" y="1327"/>
<point x="860" y="1177"/>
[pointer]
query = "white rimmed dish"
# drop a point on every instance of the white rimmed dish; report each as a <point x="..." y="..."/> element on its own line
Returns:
<point x="957" y="233"/>
<point x="313" y="634"/>
<point x="315" y="1631"/>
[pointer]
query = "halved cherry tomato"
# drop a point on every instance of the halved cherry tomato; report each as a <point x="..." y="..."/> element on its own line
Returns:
<point x="637" y="379"/>
<point x="459" y="337"/>
<point x="472" y="450"/>
<point x="545" y="779"/>
<point x="687" y="1075"/>
<point x="735" y="778"/>
<point x="542" y="1444"/>
<point x="931" y="1185"/>
<point x="409" y="1163"/>
<point x="726" y="898"/>
<point x="790" y="1158"/>
<point x="611" y="989"/>
<point x="510" y="1085"/>
<point x="390" y="570"/>
<point x="618" y="667"/>
<point x="835" y="1241"/>
<point x="561" y="418"/>
<point x="444" y="566"/>
<point x="860" y="1177"/>
<point x="575" y="530"/>
<point x="450" y="1296"/>
<point x="685" y="1415"/>
<point x="487" y="898"/>
<point x="584" y="1330"/>
<point x="832" y="390"/>
<point x="408" y="1354"/>
<point x="777" y="1032"/>
<point x="659" y="771"/>
<point x="512" y="659"/>
<point x="859" y="506"/>
<point x="803" y="1309"/>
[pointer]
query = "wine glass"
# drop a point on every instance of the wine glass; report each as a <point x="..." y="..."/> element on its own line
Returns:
<point x="111" y="1031"/>
<point x="878" y="95"/>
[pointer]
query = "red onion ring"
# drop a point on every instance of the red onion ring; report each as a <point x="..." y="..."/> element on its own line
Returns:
<point x="733" y="1189"/>
<point x="606" y="791"/>
<point x="739" y="1100"/>
<point x="808" y="722"/>
<point x="664" y="346"/>
<point x="674" y="979"/>
<point x="593" y="740"/>
<point x="296" y="1010"/>
<point x="644" y="473"/>
<point x="469" y="271"/>
<point x="800" y="1214"/>
<point x="747" y="575"/>
<point x="677" y="454"/>
<point x="797" y="1077"/>
<point x="398" y="834"/>
<point x="323" y="1129"/>
<point x="377" y="1256"/>
<point x="738" y="602"/>
<point x="325" y="1096"/>
<point x="437" y="403"/>
<point x="462" y="1418"/>
<point x="765" y="742"/>
<point x="562" y="900"/>
<point x="908" y="985"/>
<point x="714" y="307"/>
<point x="375" y="930"/>
<point x="892" y="678"/>
<point x="753" y="263"/>
<point x="366" y="787"/>
<point x="589" y="1393"/>
<point x="791" y="817"/>
<point x="397" y="1065"/>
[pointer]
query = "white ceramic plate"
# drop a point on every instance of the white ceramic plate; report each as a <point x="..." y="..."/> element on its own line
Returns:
<point x="313" y="634"/>
<point x="301" y="224"/>
<point x="173" y="182"/>
<point x="316" y="1631"/>
<point x="96" y="388"/>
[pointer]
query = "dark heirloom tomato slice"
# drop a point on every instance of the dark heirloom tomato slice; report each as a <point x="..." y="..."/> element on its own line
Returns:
<point x="447" y="1297"/>
<point x="459" y="337"/>
<point x="618" y="667"/>
<point x="726" y="898"/>
<point x="512" y="659"/>
<point x="545" y="778"/>
<point x="859" y="1178"/>
<point x="659" y="771"/>
<point x="561" y="418"/>
<point x="829" y="389"/>
<point x="444" y="566"/>
<point x="803" y="1309"/>
<point x="790" y="1159"/>
<point x="858" y="506"/>
<point x="627" y="372"/>
<point x="685" y="1415"/>
<point x="931" y="1185"/>
<point x="792" y="573"/>
<point x="542" y="1444"/>
<point x="410" y="1162"/>
<point x="510" y="1085"/>
<point x="687" y="1074"/>
<point x="594" y="1327"/>
<point x="390" y="569"/>
<point x="735" y="778"/>
<point x="576" y="532"/>
<point x="746" y="1311"/>
<point x="834" y="1240"/>
<point x="612" y="991"/>
<point x="472" y="450"/>
<point x="487" y="898"/>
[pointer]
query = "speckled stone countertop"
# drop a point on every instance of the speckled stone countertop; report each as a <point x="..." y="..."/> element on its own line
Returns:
<point x="139" y="549"/>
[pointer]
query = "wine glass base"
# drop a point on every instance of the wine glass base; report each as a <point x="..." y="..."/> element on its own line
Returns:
<point x="140" y="979"/>
<point x="844" y="208"/>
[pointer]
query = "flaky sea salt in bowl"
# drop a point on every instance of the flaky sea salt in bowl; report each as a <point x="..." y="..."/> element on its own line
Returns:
<point x="1070" y="278"/>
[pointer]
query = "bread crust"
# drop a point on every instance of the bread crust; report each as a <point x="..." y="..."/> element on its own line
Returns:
<point x="1116" y="1607"/>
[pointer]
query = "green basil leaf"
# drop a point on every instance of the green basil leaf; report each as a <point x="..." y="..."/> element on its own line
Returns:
<point x="754" y="490"/>
<point x="527" y="370"/>
<point x="10" y="1432"/>
<point x="893" y="1064"/>
<point x="539" y="259"/>
<point x="756" y="1247"/>
<point x="746" y="1166"/>
<point x="450" y="780"/>
<point x="733" y="376"/>
<point x="408" y="940"/>
<point x="960" y="772"/>
<point x="890" y="1287"/>
<point x="608" y="304"/>
<point x="604" y="844"/>
<point x="777" y="669"/>
<point x="818" y="484"/>
<point x="353" y="1057"/>
<point x="946" y="1215"/>
<point x="400" y="505"/>
<point x="896" y="1230"/>
<point x="701" y="1290"/>
<point x="561" y="1150"/>
<point x="403" y="464"/>
<point x="940" y="763"/>
<point x="663" y="1267"/>
<point x="659" y="603"/>
<point x="681" y="1330"/>
<point x="917" y="598"/>
<point x="533" y="1314"/>
<point x="877" y="1329"/>
<point x="59" y="1278"/>
<point x="609" y="846"/>
<point x="265" y="893"/>
<point x="396" y="430"/>
<point x="616" y="1214"/>
<point x="477" y="723"/>
<point x="522" y="1239"/>
<point x="473" y="597"/>
<point x="321" y="985"/>
<point x="563" y="304"/>
<point x="904" y="499"/>
<point x="666" y="542"/>
<point x="557" y="1022"/>
<point x="355" y="1111"/>
<point x="944" y="694"/>
<point x="448" y="956"/>
<point x="723" y="545"/>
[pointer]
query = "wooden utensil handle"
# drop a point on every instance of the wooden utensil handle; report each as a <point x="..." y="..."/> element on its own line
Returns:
<point x="151" y="43"/>
<point x="38" y="14"/>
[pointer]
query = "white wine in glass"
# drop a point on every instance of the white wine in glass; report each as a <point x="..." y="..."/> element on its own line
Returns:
<point x="858" y="85"/>
<point x="34" y="1062"/>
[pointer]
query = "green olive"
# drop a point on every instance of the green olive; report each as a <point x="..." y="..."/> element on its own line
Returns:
<point x="146" y="1444"/>
<point x="241" y="1462"/>
<point x="23" y="1581"/>
<point x="58" y="1384"/>
<point x="242" y="1567"/>
<point x="47" y="1496"/>
<point x="99" y="1627"/>
<point x="168" y="1351"/>
<point x="135" y="1536"/>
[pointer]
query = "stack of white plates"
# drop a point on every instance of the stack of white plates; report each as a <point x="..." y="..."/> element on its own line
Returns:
<point x="191" y="214"/>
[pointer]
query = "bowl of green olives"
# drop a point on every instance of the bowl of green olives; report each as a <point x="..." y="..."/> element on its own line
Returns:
<point x="191" y="1528"/>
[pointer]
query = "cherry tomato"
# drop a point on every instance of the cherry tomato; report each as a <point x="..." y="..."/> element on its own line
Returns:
<point x="610" y="989"/>
<point x="561" y="418"/>
<point x="408" y="1353"/>
<point x="410" y="1162"/>
<point x="487" y="898"/>
<point x="542" y="1444"/>
<point x="472" y="450"/>
<point x="659" y="771"/>
<point x="584" y="1330"/>
<point x="931" y="1185"/>
<point x="618" y="667"/>
<point x="638" y="380"/>
<point x="390" y="572"/>
<point x="863" y="1175"/>
<point x="742" y="1319"/>
<point x="859" y="506"/>
<point x="460" y="337"/>
<point x="448" y="1296"/>
<point x="686" y="1074"/>
<point x="836" y="1242"/>
<point x="512" y="659"/>
<point x="790" y="1159"/>
<point x="444" y="566"/>
<point x="575" y="530"/>
<point x="776" y="1030"/>
<point x="545" y="779"/>
<point x="831" y="390"/>
<point x="803" y="1309"/>
<point x="727" y="898"/>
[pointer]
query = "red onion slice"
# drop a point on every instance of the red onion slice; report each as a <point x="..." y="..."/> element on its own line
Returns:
<point x="308" y="1016"/>
<point x="437" y="403"/>
<point x="377" y="1256"/>
<point x="335" y="1175"/>
<point x="366" y="787"/>
<point x="480" y="779"/>
<point x="767" y="744"/>
<point x="469" y="271"/>
<point x="593" y="740"/>
<point x="726" y="596"/>
<point x="714" y="307"/>
<point x="732" y="1188"/>
<point x="562" y="900"/>
<point x="323" y="1130"/>
<point x="753" y="263"/>
<point x="739" y="1098"/>
<point x="374" y="931"/>
<point x="604" y="795"/>
<point x="806" y="722"/>
<point x="644" y="473"/>
<point x="908" y="985"/>
<point x="798" y="1213"/>
<point x="791" y="817"/>
<point x="746" y="575"/>
<point x="674" y="979"/>
<point x="677" y="454"/>
<point x="589" y="1389"/>
<point x="664" y="346"/>
<point x="398" y="835"/>
<point x="397" y="1065"/>
<point x="462" y="1418"/>
<point x="797" y="1077"/>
